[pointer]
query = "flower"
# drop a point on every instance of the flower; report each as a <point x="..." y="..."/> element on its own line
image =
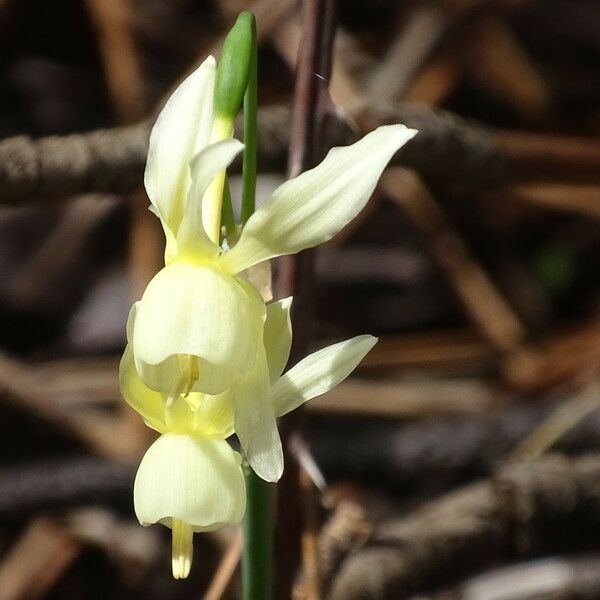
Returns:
<point x="199" y="325"/>
<point x="190" y="479"/>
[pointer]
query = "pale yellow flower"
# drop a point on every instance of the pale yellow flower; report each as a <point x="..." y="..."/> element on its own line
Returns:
<point x="190" y="479"/>
<point x="199" y="326"/>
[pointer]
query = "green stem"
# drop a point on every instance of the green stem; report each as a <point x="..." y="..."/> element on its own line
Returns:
<point x="257" y="557"/>
<point x="250" y="137"/>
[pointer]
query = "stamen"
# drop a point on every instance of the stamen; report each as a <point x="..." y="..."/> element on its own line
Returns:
<point x="190" y="369"/>
<point x="182" y="548"/>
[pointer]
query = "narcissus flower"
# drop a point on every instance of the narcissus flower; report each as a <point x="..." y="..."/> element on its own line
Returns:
<point x="200" y="327"/>
<point x="190" y="479"/>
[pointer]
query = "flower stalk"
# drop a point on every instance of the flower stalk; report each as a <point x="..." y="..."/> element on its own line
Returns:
<point x="257" y="553"/>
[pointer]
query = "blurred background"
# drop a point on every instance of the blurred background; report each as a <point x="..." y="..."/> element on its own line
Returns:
<point x="462" y="460"/>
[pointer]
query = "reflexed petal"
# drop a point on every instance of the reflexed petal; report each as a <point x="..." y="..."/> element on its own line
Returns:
<point x="277" y="336"/>
<point x="318" y="373"/>
<point x="197" y="480"/>
<point x="192" y="239"/>
<point x="255" y="423"/>
<point x="147" y="402"/>
<point x="192" y="311"/>
<point x="181" y="131"/>
<point x="314" y="206"/>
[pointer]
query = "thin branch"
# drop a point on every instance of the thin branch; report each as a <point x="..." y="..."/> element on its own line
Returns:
<point x="112" y="160"/>
<point x="524" y="509"/>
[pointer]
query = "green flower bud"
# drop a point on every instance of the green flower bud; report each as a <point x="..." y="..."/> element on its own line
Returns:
<point x="234" y="67"/>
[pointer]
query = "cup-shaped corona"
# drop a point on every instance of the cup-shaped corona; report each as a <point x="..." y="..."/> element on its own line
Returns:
<point x="189" y="483"/>
<point x="202" y="312"/>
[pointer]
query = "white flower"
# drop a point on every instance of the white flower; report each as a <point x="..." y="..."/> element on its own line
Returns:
<point x="199" y="327"/>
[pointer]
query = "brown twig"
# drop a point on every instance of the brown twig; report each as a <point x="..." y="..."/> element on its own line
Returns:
<point x="52" y="263"/>
<point x="50" y="485"/>
<point x="458" y="351"/>
<point x="499" y="62"/>
<point x="226" y="569"/>
<point x="101" y="433"/>
<point x="37" y="561"/>
<point x="112" y="160"/>
<point x="406" y="399"/>
<point x="422" y="31"/>
<point x="570" y="198"/>
<point x="483" y="302"/>
<point x="552" y="578"/>
<point x="520" y="511"/>
<point x="296" y="273"/>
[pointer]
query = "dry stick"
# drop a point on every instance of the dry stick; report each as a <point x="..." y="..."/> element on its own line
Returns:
<point x="417" y="456"/>
<point x="52" y="484"/>
<point x="436" y="81"/>
<point x="37" y="561"/>
<point x="77" y="381"/>
<point x="409" y="455"/>
<point x="457" y="351"/>
<point x="347" y="529"/>
<point x="511" y="515"/>
<point x="574" y="354"/>
<point x="537" y="156"/>
<point x="100" y="433"/>
<point x="226" y="569"/>
<point x="296" y="272"/>
<point x="553" y="578"/>
<point x="342" y="87"/>
<point x="408" y="399"/>
<point x="411" y="48"/>
<point x="130" y="547"/>
<point x="565" y="418"/>
<point x="52" y="263"/>
<point x="579" y="199"/>
<point x="484" y="303"/>
<point x="126" y="84"/>
<point x="55" y="168"/>
<point x="407" y="70"/>
<point x="499" y="63"/>
<point x="310" y="587"/>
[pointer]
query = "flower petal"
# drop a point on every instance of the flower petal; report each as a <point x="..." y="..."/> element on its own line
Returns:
<point x="190" y="311"/>
<point x="181" y="131"/>
<point x="194" y="479"/>
<point x="314" y="206"/>
<point x="197" y="413"/>
<point x="255" y="423"/>
<point x="318" y="373"/>
<point x="277" y="336"/>
<point x="131" y="322"/>
<point x="192" y="239"/>
<point x="148" y="403"/>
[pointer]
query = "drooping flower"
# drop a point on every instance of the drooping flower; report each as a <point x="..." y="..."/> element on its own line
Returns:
<point x="190" y="479"/>
<point x="199" y="325"/>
